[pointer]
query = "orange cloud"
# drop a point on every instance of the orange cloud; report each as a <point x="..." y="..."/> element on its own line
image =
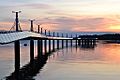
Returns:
<point x="94" y="24"/>
<point x="5" y="25"/>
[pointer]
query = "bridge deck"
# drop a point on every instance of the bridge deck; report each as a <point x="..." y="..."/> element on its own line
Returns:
<point x="11" y="37"/>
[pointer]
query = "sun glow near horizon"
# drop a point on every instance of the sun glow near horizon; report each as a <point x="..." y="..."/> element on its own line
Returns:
<point x="114" y="27"/>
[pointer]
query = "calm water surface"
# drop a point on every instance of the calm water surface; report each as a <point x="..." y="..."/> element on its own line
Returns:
<point x="99" y="63"/>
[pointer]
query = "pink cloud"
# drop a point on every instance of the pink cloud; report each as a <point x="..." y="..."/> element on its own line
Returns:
<point x="84" y="24"/>
<point x="68" y="24"/>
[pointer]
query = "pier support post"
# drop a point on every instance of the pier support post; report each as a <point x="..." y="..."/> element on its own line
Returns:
<point x="17" y="49"/>
<point x="49" y="45"/>
<point x="45" y="42"/>
<point x="62" y="41"/>
<point x="53" y="45"/>
<point x="31" y="50"/>
<point x="66" y="40"/>
<point x="76" y="41"/>
<point x="82" y="41"/>
<point x="45" y="46"/>
<point x="17" y="45"/>
<point x="31" y="44"/>
<point x="57" y="44"/>
<point x="58" y="41"/>
<point x="39" y="49"/>
<point x="71" y="40"/>
<point x="79" y="42"/>
<point x="39" y="45"/>
<point x="17" y="56"/>
<point x="53" y="41"/>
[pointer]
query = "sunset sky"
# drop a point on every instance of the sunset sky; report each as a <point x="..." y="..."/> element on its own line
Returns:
<point x="63" y="15"/>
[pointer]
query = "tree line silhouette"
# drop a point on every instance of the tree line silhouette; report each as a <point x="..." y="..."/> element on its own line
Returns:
<point x="102" y="37"/>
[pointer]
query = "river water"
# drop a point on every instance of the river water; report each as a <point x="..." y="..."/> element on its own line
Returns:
<point x="101" y="62"/>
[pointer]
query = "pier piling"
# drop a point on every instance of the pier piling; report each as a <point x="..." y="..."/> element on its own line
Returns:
<point x="71" y="41"/>
<point x="45" y="46"/>
<point x="31" y="50"/>
<point x="17" y="55"/>
<point x="58" y="41"/>
<point x="53" y="41"/>
<point x="31" y="44"/>
<point x="49" y="43"/>
<point x="66" y="40"/>
<point x="76" y="40"/>
<point x="62" y="41"/>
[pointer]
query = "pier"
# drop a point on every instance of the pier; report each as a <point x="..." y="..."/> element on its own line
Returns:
<point x="50" y="43"/>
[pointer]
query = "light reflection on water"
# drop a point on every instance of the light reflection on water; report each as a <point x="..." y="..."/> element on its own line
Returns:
<point x="99" y="63"/>
<point x="102" y="53"/>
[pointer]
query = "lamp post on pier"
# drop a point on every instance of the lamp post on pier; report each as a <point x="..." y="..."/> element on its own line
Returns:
<point x="17" y="46"/>
<point x="31" y="42"/>
<point x="31" y="21"/>
<point x="17" y="19"/>
<point x="39" y="44"/>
